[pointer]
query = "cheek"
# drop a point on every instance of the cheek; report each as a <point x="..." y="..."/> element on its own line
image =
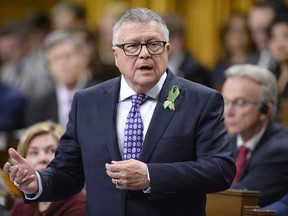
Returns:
<point x="50" y="158"/>
<point x="125" y="66"/>
<point x="241" y="121"/>
<point x="247" y="120"/>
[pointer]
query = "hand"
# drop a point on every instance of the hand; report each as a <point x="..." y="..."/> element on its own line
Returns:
<point x="128" y="174"/>
<point x="21" y="173"/>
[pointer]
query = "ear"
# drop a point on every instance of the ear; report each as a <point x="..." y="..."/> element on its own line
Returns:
<point x="266" y="111"/>
<point x="168" y="45"/>
<point x="115" y="56"/>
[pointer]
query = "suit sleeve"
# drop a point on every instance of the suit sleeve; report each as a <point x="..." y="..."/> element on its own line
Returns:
<point x="64" y="176"/>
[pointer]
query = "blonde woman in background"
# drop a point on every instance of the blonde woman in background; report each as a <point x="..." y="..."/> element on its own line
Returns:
<point x="38" y="145"/>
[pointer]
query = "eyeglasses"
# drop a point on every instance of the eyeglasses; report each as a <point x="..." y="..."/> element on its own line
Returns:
<point x="134" y="49"/>
<point x="240" y="102"/>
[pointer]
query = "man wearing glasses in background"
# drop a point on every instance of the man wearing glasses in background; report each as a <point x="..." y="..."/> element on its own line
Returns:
<point x="250" y="96"/>
<point x="164" y="161"/>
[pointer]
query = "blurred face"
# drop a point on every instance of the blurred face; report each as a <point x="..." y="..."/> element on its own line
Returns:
<point x="12" y="48"/>
<point x="41" y="150"/>
<point x="141" y="72"/>
<point x="278" y="44"/>
<point x="242" y="107"/>
<point x="66" y="64"/>
<point x="237" y="37"/>
<point x="65" y="20"/>
<point x="259" y="20"/>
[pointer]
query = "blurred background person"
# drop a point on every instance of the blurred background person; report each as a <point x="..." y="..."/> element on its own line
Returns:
<point x="180" y="61"/>
<point x="278" y="47"/>
<point x="106" y="64"/>
<point x="68" y="63"/>
<point x="236" y="47"/>
<point x="38" y="145"/>
<point x="250" y="96"/>
<point x="260" y="16"/>
<point x="22" y="55"/>
<point x="12" y="108"/>
<point x="36" y="77"/>
<point x="68" y="16"/>
<point x="91" y="46"/>
<point x="13" y="48"/>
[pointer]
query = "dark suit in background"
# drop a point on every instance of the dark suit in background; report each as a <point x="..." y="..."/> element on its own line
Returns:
<point x="267" y="169"/>
<point x="12" y="108"/>
<point x="46" y="107"/>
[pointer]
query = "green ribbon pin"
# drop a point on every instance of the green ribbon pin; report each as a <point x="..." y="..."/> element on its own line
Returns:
<point x="172" y="95"/>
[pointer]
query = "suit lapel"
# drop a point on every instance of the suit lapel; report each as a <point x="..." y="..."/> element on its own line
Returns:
<point x="160" y="119"/>
<point x="107" y="110"/>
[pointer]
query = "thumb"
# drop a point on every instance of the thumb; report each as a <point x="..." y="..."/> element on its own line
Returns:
<point x="16" y="156"/>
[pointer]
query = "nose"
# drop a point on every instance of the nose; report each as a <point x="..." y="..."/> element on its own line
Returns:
<point x="144" y="53"/>
<point x="43" y="158"/>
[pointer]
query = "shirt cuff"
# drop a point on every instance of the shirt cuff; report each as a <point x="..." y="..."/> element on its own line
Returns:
<point x="148" y="189"/>
<point x="40" y="189"/>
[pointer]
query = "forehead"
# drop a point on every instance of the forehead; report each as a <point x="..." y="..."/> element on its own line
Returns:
<point x="62" y="46"/>
<point x="261" y="16"/>
<point x="140" y="31"/>
<point x="241" y="87"/>
<point x="43" y="140"/>
<point x="280" y="26"/>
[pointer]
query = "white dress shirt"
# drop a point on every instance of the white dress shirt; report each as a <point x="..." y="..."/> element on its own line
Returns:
<point x="251" y="143"/>
<point x="64" y="99"/>
<point x="146" y="109"/>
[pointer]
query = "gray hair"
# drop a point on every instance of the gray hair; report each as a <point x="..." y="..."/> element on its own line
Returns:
<point x="139" y="15"/>
<point x="262" y="76"/>
<point x="60" y="36"/>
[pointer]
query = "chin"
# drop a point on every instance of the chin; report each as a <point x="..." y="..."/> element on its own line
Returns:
<point x="232" y="130"/>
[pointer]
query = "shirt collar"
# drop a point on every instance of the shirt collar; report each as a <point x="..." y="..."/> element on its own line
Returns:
<point x="126" y="91"/>
<point x="251" y="143"/>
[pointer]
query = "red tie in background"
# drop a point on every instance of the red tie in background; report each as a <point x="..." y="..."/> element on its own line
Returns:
<point x="240" y="162"/>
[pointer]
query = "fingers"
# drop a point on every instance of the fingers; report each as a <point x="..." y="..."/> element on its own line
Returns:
<point x="129" y="174"/>
<point x="6" y="168"/>
<point x="16" y="156"/>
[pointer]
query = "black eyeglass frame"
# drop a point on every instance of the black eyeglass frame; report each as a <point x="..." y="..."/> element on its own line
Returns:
<point x="122" y="46"/>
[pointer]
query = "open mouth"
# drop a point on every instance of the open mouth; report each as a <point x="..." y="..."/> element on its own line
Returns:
<point x="145" y="68"/>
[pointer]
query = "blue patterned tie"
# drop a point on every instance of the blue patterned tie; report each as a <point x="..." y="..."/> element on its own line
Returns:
<point x="133" y="138"/>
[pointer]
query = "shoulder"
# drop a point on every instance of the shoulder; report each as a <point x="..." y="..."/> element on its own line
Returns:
<point x="11" y="93"/>
<point x="100" y="88"/>
<point x="275" y="138"/>
<point x="197" y="90"/>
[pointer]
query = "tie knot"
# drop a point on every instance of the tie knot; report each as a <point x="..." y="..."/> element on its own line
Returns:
<point x="138" y="99"/>
<point x="244" y="150"/>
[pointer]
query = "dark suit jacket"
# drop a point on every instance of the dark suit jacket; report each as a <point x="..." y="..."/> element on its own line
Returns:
<point x="187" y="152"/>
<point x="267" y="169"/>
<point x="12" y="108"/>
<point x="45" y="108"/>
